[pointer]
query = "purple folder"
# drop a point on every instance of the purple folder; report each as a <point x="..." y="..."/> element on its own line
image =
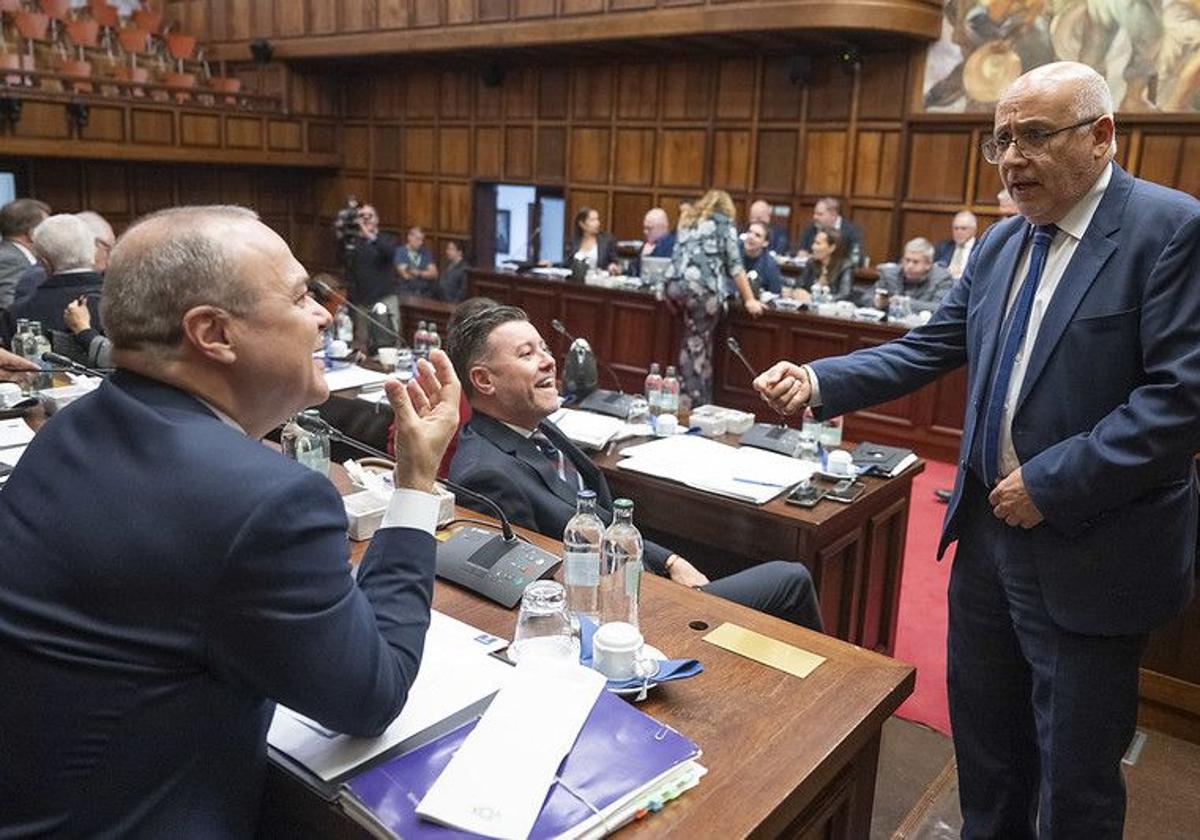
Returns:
<point x="619" y="750"/>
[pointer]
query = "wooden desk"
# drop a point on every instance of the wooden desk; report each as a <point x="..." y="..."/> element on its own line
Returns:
<point x="855" y="552"/>
<point x="786" y="757"/>
<point x="630" y="330"/>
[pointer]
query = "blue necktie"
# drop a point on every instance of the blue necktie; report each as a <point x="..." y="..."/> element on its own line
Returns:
<point x="1012" y="335"/>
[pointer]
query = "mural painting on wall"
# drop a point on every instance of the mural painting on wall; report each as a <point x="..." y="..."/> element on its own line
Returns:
<point x="1149" y="50"/>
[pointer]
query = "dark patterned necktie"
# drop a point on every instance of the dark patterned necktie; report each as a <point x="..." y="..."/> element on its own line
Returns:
<point x="561" y="464"/>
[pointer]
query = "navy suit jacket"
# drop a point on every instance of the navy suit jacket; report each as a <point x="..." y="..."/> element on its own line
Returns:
<point x="1107" y="422"/>
<point x="165" y="578"/>
<point x="510" y="470"/>
<point x="943" y="252"/>
<point x="51" y="297"/>
<point x="664" y="246"/>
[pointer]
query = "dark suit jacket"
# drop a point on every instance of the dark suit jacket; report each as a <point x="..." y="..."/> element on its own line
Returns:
<point x="664" y="246"/>
<point x="943" y="252"/>
<point x="13" y="264"/>
<point x="165" y="578"/>
<point x="1108" y="419"/>
<point x="509" y="469"/>
<point x="52" y="296"/>
<point x="926" y="295"/>
<point x="851" y="235"/>
<point x="606" y="250"/>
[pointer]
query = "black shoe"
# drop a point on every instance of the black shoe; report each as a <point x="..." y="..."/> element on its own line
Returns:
<point x="943" y="495"/>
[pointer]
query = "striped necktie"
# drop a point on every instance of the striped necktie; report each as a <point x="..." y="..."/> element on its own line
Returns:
<point x="558" y="461"/>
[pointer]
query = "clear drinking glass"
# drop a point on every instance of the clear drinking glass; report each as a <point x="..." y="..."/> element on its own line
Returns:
<point x="899" y="308"/>
<point x="639" y="418"/>
<point x="544" y="626"/>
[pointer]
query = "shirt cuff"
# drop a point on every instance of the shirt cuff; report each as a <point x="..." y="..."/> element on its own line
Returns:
<point x="814" y="387"/>
<point x="411" y="509"/>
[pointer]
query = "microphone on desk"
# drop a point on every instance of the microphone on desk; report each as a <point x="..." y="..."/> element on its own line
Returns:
<point x="323" y="292"/>
<point x="561" y="329"/>
<point x="72" y="366"/>
<point x="497" y="566"/>
<point x="319" y="424"/>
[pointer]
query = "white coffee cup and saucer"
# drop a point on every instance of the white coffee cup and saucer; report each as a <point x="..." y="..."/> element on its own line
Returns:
<point x="622" y="655"/>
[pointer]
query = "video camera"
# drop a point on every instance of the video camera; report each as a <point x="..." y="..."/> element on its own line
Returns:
<point x="347" y="226"/>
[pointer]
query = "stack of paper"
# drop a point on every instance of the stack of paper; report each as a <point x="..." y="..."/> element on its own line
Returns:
<point x="745" y="473"/>
<point x="585" y="428"/>
<point x="353" y="377"/>
<point x="456" y="673"/>
<point x="15" y="435"/>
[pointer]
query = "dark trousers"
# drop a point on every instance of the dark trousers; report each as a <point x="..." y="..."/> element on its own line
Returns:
<point x="784" y="590"/>
<point x="1041" y="715"/>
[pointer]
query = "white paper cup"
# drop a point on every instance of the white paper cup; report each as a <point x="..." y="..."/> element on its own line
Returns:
<point x="840" y="462"/>
<point x="617" y="651"/>
<point x="388" y="356"/>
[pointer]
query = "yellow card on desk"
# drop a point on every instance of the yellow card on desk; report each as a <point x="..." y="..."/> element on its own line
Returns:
<point x="787" y="658"/>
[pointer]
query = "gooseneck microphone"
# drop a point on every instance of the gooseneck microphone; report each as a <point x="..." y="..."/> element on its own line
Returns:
<point x="496" y="566"/>
<point x="561" y="329"/>
<point x="72" y="366"/>
<point x="319" y="424"/>
<point x="323" y="292"/>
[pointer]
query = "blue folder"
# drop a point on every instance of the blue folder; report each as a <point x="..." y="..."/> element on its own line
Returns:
<point x="619" y="750"/>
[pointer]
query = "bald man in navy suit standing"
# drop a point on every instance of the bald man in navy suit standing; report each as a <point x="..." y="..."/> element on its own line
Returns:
<point x="1075" y="506"/>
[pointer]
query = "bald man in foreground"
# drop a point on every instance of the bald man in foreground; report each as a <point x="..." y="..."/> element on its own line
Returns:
<point x="167" y="577"/>
<point x="1075" y="505"/>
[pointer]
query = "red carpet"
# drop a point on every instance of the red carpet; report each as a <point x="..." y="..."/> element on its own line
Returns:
<point x="921" y="631"/>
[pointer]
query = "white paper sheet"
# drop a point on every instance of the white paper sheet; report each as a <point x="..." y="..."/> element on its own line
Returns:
<point x="15" y="432"/>
<point x="483" y="789"/>
<point x="586" y="428"/>
<point x="745" y="473"/>
<point x="11" y="455"/>
<point x="353" y="377"/>
<point x="455" y="673"/>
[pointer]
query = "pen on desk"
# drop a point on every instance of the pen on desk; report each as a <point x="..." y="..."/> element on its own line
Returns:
<point x="759" y="483"/>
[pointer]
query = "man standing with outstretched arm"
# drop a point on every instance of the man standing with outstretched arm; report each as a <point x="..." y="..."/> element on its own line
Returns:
<point x="1075" y="503"/>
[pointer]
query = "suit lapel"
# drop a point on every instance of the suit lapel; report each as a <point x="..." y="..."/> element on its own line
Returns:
<point x="1089" y="258"/>
<point x="991" y="310"/>
<point x="593" y="479"/>
<point x="525" y="451"/>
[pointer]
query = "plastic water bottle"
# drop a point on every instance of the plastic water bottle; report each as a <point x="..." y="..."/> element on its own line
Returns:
<point x="310" y="448"/>
<point x="343" y="326"/>
<point x="421" y="342"/>
<point x="36" y="344"/>
<point x="20" y="341"/>
<point x="581" y="558"/>
<point x="620" y="566"/>
<point x="433" y="340"/>
<point x="669" y="401"/>
<point x="654" y="383"/>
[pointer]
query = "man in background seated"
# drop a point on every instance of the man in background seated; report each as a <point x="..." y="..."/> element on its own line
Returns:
<point x="952" y="253"/>
<point x="415" y="266"/>
<point x="167" y="577"/>
<point x="925" y="283"/>
<point x="452" y="281"/>
<point x="103" y="233"/>
<point x="777" y="235"/>
<point x="657" y="239"/>
<point x="17" y="221"/>
<point x="68" y="248"/>
<point x="828" y="213"/>
<point x="511" y="454"/>
<point x="761" y="269"/>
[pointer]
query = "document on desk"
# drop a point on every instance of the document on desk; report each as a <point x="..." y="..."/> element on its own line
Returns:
<point x="739" y="472"/>
<point x="354" y="377"/>
<point x="456" y="672"/>
<point x="15" y="433"/>
<point x="484" y="789"/>
<point x="586" y="428"/>
<point x="11" y="455"/>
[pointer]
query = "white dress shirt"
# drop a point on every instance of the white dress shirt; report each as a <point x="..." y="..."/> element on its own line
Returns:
<point x="29" y="255"/>
<point x="958" y="260"/>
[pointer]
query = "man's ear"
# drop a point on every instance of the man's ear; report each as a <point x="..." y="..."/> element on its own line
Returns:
<point x="481" y="380"/>
<point x="206" y="330"/>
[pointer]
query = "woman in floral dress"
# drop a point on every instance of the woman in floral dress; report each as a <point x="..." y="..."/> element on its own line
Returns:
<point x="706" y="268"/>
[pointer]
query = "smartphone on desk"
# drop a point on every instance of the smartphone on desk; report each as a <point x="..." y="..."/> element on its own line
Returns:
<point x="846" y="490"/>
<point x="806" y="495"/>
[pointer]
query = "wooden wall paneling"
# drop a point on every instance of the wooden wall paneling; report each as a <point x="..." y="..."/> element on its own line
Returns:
<point x="199" y="185"/>
<point x="824" y="163"/>
<point x="628" y="211"/>
<point x="322" y="17"/>
<point x="518" y="152"/>
<point x="356" y="146"/>
<point x="278" y="193"/>
<point x="592" y="89"/>
<point x="420" y="94"/>
<point x="523" y="9"/>
<point x="237" y="187"/>
<point x="459" y="11"/>
<point x="419" y="149"/>
<point x="554" y="85"/>
<point x="987" y="179"/>
<point x="781" y="99"/>
<point x="107" y="188"/>
<point x="356" y="15"/>
<point x="637" y="91"/>
<point x="244" y="132"/>
<point x="387" y="194"/>
<point x="595" y="199"/>
<point x="876" y="163"/>
<point x="454" y="209"/>
<point x="589" y="155"/>
<point x="624" y="5"/>
<point x="202" y="130"/>
<point x="520" y="93"/>
<point x="329" y="193"/>
<point x="829" y="92"/>
<point x="322" y="137"/>
<point x="552" y="153"/>
<point x="285" y="135"/>
<point x="1189" y="174"/>
<point x="731" y="159"/>
<point x="385" y="149"/>
<point x="681" y="156"/>
<point x="489" y="100"/>
<point x="489" y="152"/>
<point x="934" y="226"/>
<point x="883" y="80"/>
<point x="938" y="165"/>
<point x="290" y="17"/>
<point x="43" y="120"/>
<point x="454" y="150"/>
<point x="152" y="127"/>
<point x="59" y="184"/>
<point x="492" y="10"/>
<point x="398" y="14"/>
<point x="242" y="18"/>
<point x="387" y="99"/>
<point x="687" y="90"/>
<point x="420" y="204"/>
<point x="735" y="88"/>
<point x="776" y="161"/>
<point x="1160" y="158"/>
<point x="455" y="99"/>
<point x="359" y="100"/>
<point x="634" y="156"/>
<point x="876" y="224"/>
<point x="582" y="7"/>
<point x="153" y="188"/>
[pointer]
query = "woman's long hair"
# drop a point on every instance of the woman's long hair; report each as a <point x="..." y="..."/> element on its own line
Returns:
<point x="713" y="201"/>
<point x="577" y="228"/>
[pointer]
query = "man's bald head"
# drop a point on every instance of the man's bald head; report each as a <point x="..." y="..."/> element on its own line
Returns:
<point x="655" y="224"/>
<point x="760" y="211"/>
<point x="171" y="261"/>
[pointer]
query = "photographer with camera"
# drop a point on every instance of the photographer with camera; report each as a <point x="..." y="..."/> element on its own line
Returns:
<point x="369" y="254"/>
